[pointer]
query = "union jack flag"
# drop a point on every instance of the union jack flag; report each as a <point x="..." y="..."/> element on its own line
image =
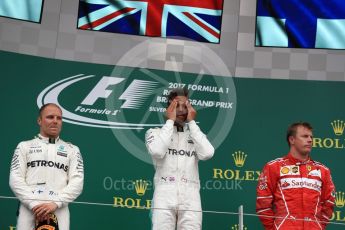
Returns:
<point x="198" y="20"/>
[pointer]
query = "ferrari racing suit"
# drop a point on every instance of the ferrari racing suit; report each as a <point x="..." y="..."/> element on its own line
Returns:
<point x="175" y="154"/>
<point x="46" y="170"/>
<point x="295" y="195"/>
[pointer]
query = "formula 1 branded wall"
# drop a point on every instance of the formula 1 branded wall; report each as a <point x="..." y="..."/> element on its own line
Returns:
<point x="107" y="110"/>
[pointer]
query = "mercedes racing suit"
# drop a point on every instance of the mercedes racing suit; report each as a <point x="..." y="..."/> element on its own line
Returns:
<point x="45" y="170"/>
<point x="175" y="156"/>
<point x="295" y="195"/>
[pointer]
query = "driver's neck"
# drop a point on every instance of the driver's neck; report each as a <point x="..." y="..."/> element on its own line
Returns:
<point x="179" y="127"/>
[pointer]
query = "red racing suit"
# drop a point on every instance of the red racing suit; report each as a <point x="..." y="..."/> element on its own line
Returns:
<point x="295" y="195"/>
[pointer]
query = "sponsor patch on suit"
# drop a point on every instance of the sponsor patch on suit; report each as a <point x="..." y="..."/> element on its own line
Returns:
<point x="289" y="170"/>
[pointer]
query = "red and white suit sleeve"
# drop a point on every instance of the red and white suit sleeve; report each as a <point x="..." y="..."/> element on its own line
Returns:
<point x="327" y="201"/>
<point x="264" y="200"/>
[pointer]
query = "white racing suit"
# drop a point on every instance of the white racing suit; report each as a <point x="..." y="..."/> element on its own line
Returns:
<point x="45" y="170"/>
<point x="175" y="155"/>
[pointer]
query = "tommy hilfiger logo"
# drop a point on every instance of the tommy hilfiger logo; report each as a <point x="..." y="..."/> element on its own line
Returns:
<point x="338" y="127"/>
<point x="239" y="158"/>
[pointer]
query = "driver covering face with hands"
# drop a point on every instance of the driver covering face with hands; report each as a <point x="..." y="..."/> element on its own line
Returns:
<point x="178" y="107"/>
<point x="175" y="149"/>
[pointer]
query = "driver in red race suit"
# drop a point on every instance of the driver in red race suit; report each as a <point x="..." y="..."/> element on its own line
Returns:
<point x="295" y="192"/>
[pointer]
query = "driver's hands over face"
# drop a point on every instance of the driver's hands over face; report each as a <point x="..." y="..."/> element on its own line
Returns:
<point x="191" y="112"/>
<point x="171" y="110"/>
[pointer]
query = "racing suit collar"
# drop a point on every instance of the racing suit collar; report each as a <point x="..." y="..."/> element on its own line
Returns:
<point x="48" y="140"/>
<point x="181" y="128"/>
<point x="297" y="161"/>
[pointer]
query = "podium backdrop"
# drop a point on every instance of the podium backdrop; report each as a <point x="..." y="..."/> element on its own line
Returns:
<point x="107" y="110"/>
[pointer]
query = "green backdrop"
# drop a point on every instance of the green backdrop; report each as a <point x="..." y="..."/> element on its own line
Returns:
<point x="107" y="110"/>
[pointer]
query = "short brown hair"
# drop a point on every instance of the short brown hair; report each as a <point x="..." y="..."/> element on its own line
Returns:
<point x="177" y="92"/>
<point x="292" y="129"/>
<point x="45" y="106"/>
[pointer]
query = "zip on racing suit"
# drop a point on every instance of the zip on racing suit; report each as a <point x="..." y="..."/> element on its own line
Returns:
<point x="175" y="157"/>
<point x="295" y="195"/>
<point x="46" y="170"/>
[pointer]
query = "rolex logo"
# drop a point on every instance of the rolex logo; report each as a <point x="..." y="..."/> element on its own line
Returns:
<point x="339" y="199"/>
<point x="140" y="187"/>
<point x="239" y="158"/>
<point x="235" y="227"/>
<point x="338" y="127"/>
